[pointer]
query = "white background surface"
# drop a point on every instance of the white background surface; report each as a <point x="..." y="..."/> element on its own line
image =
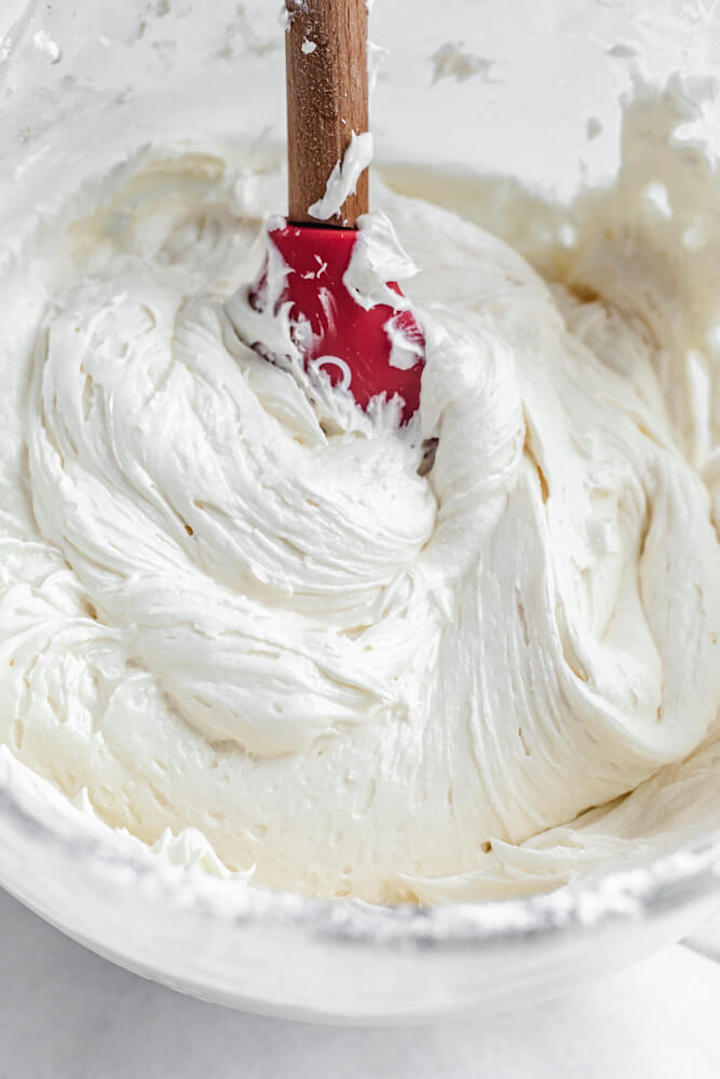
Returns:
<point x="66" y="1014"/>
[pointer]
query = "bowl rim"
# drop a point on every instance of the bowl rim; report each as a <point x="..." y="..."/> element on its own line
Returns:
<point x="37" y="815"/>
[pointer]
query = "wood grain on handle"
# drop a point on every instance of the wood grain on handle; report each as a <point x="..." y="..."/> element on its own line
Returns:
<point x="327" y="99"/>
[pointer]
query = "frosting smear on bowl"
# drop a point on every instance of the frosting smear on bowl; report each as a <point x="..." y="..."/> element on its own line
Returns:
<point x="472" y="656"/>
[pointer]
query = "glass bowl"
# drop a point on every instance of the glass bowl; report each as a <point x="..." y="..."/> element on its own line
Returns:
<point x="336" y="961"/>
<point x="494" y="86"/>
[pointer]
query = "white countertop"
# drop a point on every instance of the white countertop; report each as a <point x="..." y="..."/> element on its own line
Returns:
<point x="66" y="1014"/>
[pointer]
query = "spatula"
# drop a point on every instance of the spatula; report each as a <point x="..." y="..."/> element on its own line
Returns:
<point x="355" y="345"/>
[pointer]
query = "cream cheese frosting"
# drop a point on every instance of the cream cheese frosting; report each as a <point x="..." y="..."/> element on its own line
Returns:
<point x="235" y="608"/>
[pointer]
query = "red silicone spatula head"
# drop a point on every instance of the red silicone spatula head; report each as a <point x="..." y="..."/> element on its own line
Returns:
<point x="369" y="350"/>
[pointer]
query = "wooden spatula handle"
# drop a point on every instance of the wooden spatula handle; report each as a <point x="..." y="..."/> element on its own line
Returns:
<point x="327" y="99"/>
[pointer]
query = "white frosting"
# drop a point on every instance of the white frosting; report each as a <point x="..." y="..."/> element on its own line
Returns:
<point x="377" y="258"/>
<point x="344" y="177"/>
<point x="405" y="351"/>
<point x="45" y="44"/>
<point x="453" y="61"/>
<point x="236" y="610"/>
